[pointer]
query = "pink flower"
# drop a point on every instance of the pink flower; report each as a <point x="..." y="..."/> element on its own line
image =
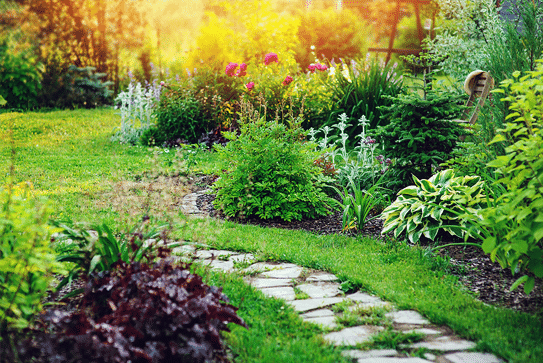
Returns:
<point x="162" y="83"/>
<point x="242" y="70"/>
<point x="250" y="85"/>
<point x="321" y="67"/>
<point x="287" y="80"/>
<point x="230" y="69"/>
<point x="270" y="57"/>
<point x="312" y="67"/>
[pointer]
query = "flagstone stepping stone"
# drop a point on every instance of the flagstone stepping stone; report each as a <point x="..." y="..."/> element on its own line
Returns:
<point x="353" y="335"/>
<point x="284" y="272"/>
<point x="312" y="304"/>
<point x="393" y="360"/>
<point x="359" y="354"/>
<point x="207" y="254"/>
<point x="285" y="293"/>
<point x="366" y="299"/>
<point x="407" y="317"/>
<point x="445" y="344"/>
<point x="468" y="357"/>
<point x="226" y="266"/>
<point x="263" y="283"/>
<point x="325" y="321"/>
<point x="321" y="290"/>
<point x="322" y="277"/>
<point x="426" y="331"/>
<point x="318" y="313"/>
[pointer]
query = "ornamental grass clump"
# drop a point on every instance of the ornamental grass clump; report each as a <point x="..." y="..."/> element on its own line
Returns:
<point x="271" y="171"/>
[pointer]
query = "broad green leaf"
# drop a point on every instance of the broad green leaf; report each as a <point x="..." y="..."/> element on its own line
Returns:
<point x="489" y="244"/>
<point x="519" y="281"/>
<point x="529" y="285"/>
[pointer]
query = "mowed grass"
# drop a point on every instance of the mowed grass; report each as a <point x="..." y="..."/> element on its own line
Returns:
<point x="68" y="156"/>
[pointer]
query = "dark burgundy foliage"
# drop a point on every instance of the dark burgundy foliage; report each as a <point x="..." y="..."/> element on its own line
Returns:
<point x="138" y="313"/>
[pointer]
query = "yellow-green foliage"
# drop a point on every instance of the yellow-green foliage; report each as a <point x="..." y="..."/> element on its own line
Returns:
<point x="517" y="218"/>
<point x="214" y="45"/>
<point x="27" y="260"/>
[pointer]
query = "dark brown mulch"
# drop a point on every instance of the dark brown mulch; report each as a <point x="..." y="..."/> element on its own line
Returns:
<point x="485" y="279"/>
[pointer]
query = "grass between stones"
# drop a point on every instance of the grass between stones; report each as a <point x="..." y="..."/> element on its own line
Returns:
<point x="68" y="157"/>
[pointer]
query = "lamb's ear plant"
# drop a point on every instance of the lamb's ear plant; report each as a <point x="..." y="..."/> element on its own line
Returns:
<point x="443" y="202"/>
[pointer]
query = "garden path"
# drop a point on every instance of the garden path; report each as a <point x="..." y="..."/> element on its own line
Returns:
<point x="314" y="294"/>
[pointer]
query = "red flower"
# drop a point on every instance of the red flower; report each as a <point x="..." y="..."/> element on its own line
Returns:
<point x="242" y="70"/>
<point x="321" y="67"/>
<point x="250" y="85"/>
<point x="230" y="69"/>
<point x="287" y="80"/>
<point x="312" y="67"/>
<point x="271" y="57"/>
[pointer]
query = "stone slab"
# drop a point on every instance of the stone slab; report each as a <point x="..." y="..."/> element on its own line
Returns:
<point x="325" y="321"/>
<point x="312" y="304"/>
<point x="322" y="277"/>
<point x="468" y="357"/>
<point x="207" y="254"/>
<point x="226" y="266"/>
<point x="321" y="290"/>
<point x="407" y="317"/>
<point x="445" y="344"/>
<point x="353" y="335"/>
<point x="393" y="360"/>
<point x="263" y="283"/>
<point x="360" y="354"/>
<point x="425" y="331"/>
<point x="284" y="272"/>
<point x="318" y="313"/>
<point x="285" y="293"/>
<point x="364" y="298"/>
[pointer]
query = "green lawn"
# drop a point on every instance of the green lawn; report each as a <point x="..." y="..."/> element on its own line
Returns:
<point x="68" y="157"/>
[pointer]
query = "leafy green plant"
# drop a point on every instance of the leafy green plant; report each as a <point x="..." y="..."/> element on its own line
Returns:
<point x="27" y="260"/>
<point x="19" y="75"/>
<point x="439" y="203"/>
<point x="98" y="249"/>
<point x="270" y="173"/>
<point x="357" y="206"/>
<point x="518" y="211"/>
<point x="178" y="119"/>
<point x="420" y="134"/>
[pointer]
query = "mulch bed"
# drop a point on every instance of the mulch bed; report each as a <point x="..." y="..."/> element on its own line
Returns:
<point x="486" y="280"/>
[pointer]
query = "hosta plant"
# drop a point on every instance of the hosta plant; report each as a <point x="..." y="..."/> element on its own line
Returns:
<point x="443" y="202"/>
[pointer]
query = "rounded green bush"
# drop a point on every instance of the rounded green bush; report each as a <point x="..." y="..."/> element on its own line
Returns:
<point x="271" y="173"/>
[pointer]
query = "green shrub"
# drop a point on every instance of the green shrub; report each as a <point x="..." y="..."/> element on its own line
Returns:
<point x="419" y="134"/>
<point x="515" y="222"/>
<point x="178" y="118"/>
<point x="20" y="75"/>
<point x="271" y="173"/>
<point x="27" y="260"/>
<point x="443" y="202"/>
